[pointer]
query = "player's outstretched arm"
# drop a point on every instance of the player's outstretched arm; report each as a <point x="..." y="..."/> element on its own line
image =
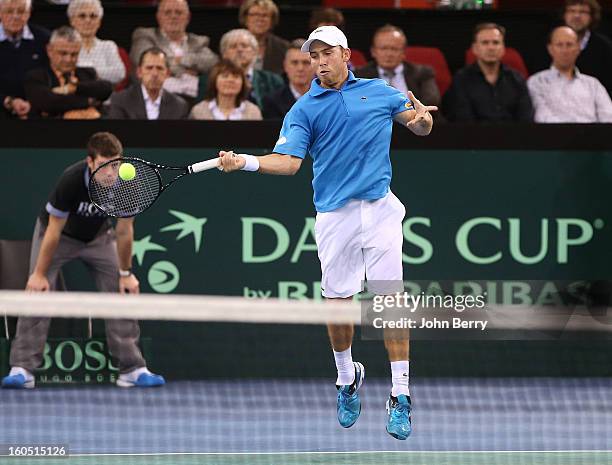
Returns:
<point x="419" y="120"/>
<point x="274" y="163"/>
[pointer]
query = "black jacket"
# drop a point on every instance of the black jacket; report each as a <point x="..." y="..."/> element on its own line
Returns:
<point x="130" y="104"/>
<point x="596" y="59"/>
<point x="419" y="79"/>
<point x="16" y="62"/>
<point x="39" y="82"/>
<point x="277" y="104"/>
<point x="273" y="58"/>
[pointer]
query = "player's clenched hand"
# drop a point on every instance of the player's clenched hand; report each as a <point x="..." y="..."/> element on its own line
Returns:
<point x="231" y="162"/>
<point x="129" y="284"/>
<point x="37" y="283"/>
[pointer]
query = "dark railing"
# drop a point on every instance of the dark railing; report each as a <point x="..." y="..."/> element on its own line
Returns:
<point x="263" y="134"/>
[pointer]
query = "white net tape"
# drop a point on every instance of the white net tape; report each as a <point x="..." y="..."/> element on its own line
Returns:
<point x="238" y="309"/>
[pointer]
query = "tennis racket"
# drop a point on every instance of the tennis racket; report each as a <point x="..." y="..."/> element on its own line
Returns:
<point x="125" y="198"/>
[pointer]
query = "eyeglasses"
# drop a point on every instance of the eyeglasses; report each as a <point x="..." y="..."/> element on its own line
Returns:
<point x="84" y="16"/>
<point x="15" y="11"/>
<point x="259" y="15"/>
<point x="578" y="11"/>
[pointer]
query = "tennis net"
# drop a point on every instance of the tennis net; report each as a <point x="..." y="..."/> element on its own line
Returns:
<point x="252" y="382"/>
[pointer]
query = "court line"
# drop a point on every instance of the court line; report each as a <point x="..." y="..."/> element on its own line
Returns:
<point x="349" y="452"/>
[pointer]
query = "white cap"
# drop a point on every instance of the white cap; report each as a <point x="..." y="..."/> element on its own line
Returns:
<point x="331" y="35"/>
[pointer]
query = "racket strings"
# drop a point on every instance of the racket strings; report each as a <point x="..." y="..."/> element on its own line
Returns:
<point x="121" y="198"/>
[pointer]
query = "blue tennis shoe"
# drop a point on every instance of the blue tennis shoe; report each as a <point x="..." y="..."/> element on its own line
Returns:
<point x="349" y="404"/>
<point x="399" y="425"/>
<point x="18" y="378"/>
<point x="140" y="377"/>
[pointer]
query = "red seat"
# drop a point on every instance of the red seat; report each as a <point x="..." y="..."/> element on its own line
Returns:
<point x="125" y="58"/>
<point x="512" y="58"/>
<point x="358" y="59"/>
<point x="433" y="57"/>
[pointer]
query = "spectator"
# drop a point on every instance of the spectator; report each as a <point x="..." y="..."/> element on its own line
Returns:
<point x="260" y="17"/>
<point x="63" y="89"/>
<point x="326" y="17"/>
<point x="487" y="90"/>
<point x="149" y="100"/>
<point x="299" y="73"/>
<point x="226" y="95"/>
<point x="188" y="53"/>
<point x="240" y="47"/>
<point x="22" y="48"/>
<point x="389" y="50"/>
<point x="595" y="59"/>
<point x="562" y="94"/>
<point x="102" y="55"/>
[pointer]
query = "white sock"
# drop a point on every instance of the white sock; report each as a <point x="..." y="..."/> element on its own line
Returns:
<point x="400" y="376"/>
<point x="21" y="371"/>
<point x="134" y="374"/>
<point x="346" y="369"/>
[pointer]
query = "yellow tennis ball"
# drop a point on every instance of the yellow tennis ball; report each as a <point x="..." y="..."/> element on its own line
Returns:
<point x="127" y="172"/>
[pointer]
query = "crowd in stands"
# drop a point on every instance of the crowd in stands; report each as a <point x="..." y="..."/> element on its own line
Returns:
<point x="171" y="73"/>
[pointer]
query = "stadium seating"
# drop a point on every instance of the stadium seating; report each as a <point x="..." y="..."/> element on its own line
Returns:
<point x="433" y="57"/>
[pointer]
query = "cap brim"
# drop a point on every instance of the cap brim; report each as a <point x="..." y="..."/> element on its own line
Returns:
<point x="308" y="43"/>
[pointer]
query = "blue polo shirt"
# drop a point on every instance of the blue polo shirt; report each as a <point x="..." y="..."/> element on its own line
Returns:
<point x="347" y="133"/>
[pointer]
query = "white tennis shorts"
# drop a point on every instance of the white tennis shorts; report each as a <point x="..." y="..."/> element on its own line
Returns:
<point x="360" y="241"/>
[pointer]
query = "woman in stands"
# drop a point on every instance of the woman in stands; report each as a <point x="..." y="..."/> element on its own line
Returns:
<point x="226" y="95"/>
<point x="260" y="17"/>
<point x="103" y="55"/>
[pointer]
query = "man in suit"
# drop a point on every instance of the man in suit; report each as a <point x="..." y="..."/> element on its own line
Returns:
<point x="299" y="74"/>
<point x="22" y="48"/>
<point x="188" y="54"/>
<point x="63" y="90"/>
<point x="388" y="50"/>
<point x="149" y="100"/>
<point x="595" y="58"/>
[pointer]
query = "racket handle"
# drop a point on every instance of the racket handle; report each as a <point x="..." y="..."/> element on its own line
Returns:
<point x="204" y="165"/>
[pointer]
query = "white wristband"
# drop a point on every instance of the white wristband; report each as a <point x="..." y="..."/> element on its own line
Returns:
<point x="251" y="162"/>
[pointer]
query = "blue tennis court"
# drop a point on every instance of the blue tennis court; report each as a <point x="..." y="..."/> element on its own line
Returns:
<point x="465" y="421"/>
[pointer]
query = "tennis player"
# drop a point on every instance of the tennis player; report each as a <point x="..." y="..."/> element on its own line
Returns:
<point x="345" y="124"/>
<point x="69" y="227"/>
